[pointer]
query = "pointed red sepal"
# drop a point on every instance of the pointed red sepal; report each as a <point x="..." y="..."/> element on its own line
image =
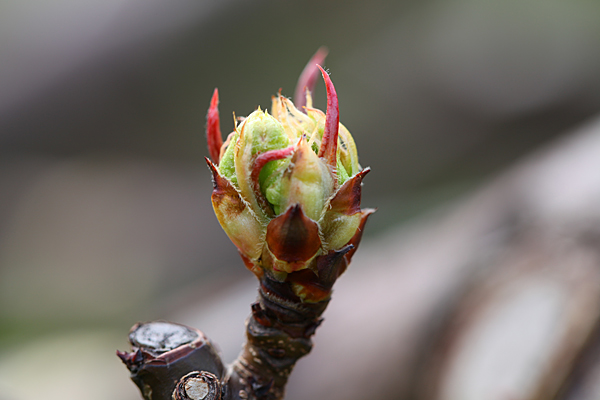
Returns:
<point x="223" y="190"/>
<point x="292" y="236"/>
<point x="213" y="128"/>
<point x="317" y="287"/>
<point x="355" y="241"/>
<point x="264" y="158"/>
<point x="328" y="149"/>
<point x="308" y="78"/>
<point x="220" y="184"/>
<point x="332" y="264"/>
<point x="347" y="199"/>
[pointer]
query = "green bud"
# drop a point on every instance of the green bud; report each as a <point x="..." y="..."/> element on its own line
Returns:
<point x="287" y="193"/>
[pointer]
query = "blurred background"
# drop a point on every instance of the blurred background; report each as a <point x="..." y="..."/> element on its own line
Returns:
<point x="105" y="217"/>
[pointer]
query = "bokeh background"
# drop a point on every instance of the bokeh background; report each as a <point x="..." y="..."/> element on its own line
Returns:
<point x="105" y="218"/>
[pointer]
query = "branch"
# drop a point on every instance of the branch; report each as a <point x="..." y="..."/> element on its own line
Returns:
<point x="163" y="352"/>
<point x="278" y="333"/>
<point x="294" y="214"/>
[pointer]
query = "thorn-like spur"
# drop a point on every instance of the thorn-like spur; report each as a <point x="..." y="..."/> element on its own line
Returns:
<point x="308" y="78"/>
<point x="328" y="149"/>
<point x="213" y="128"/>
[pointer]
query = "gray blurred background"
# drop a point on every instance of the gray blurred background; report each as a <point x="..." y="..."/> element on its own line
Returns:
<point x="105" y="217"/>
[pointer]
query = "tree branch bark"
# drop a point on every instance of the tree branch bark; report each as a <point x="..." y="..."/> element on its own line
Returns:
<point x="171" y="361"/>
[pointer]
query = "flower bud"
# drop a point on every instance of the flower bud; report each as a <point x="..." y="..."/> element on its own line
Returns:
<point x="287" y="189"/>
<point x="308" y="182"/>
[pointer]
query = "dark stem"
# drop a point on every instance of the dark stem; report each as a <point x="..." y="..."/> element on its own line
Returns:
<point x="171" y="361"/>
<point x="278" y="333"/>
<point x="163" y="352"/>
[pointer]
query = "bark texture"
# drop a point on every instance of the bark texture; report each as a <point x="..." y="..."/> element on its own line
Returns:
<point x="172" y="361"/>
<point x="278" y="333"/>
<point x="163" y="353"/>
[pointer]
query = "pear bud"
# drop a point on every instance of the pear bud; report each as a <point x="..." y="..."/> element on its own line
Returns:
<point x="287" y="189"/>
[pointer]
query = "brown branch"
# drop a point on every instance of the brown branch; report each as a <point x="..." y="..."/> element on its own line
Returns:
<point x="278" y="333"/>
<point x="163" y="352"/>
<point x="171" y="361"/>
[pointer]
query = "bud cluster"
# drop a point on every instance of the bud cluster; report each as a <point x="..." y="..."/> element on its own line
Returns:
<point x="287" y="191"/>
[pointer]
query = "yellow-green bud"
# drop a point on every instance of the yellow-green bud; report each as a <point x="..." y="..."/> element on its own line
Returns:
<point x="287" y="188"/>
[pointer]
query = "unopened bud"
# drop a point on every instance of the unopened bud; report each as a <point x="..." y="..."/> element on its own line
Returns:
<point x="287" y="189"/>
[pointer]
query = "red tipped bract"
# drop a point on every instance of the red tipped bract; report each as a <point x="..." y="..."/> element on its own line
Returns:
<point x="213" y="128"/>
<point x="328" y="149"/>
